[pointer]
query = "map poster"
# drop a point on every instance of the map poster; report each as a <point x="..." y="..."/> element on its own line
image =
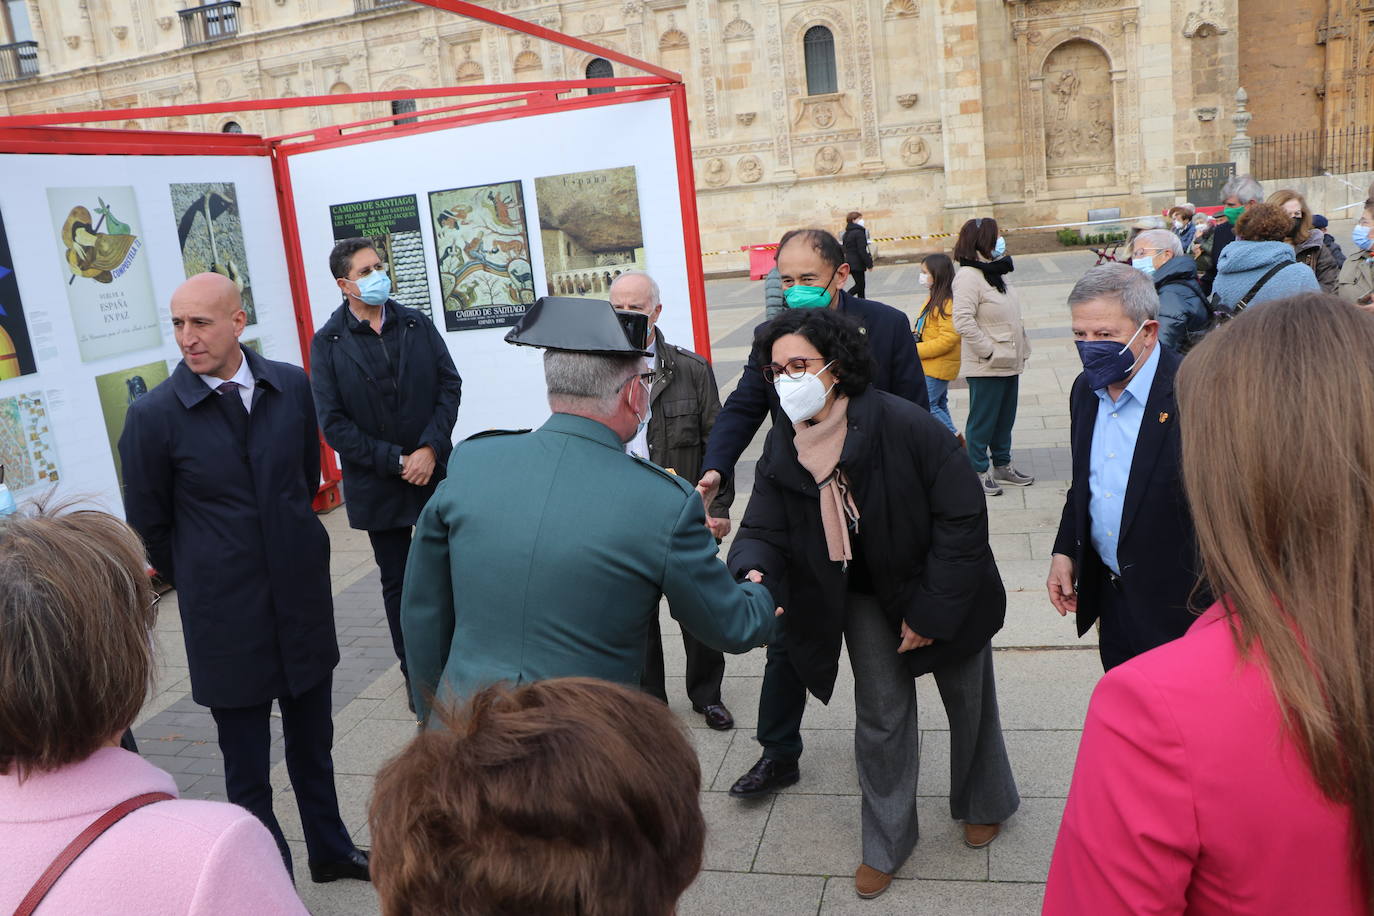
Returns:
<point x="590" y="230"/>
<point x="482" y="244"/>
<point x="100" y="246"/>
<point x="27" y="452"/>
<point x="16" y="350"/>
<point x="211" y="235"/>
<point x="117" y="390"/>
<point x="392" y="224"/>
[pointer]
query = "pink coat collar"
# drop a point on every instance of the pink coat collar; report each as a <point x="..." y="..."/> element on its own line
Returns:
<point x="91" y="787"/>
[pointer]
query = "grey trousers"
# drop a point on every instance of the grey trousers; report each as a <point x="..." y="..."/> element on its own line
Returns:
<point x="887" y="740"/>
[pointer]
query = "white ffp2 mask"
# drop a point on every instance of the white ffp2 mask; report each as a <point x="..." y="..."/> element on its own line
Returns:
<point x="802" y="398"/>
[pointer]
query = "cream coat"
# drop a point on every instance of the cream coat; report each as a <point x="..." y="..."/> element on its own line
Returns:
<point x="995" y="342"/>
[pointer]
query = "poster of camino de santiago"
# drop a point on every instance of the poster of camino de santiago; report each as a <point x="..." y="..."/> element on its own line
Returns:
<point x="482" y="244"/>
<point x="590" y="230"/>
<point x="99" y="244"/>
<point x="392" y="224"/>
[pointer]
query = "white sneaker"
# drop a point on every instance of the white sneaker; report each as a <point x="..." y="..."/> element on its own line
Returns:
<point x="1008" y="474"/>
<point x="990" y="487"/>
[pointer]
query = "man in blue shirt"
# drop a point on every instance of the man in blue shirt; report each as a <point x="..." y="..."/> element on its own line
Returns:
<point x="1126" y="552"/>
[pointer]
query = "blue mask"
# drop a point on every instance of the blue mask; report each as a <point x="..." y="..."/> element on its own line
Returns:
<point x="375" y="288"/>
<point x="1000" y="248"/>
<point x="1106" y="362"/>
<point x="1361" y="238"/>
<point x="1145" y="265"/>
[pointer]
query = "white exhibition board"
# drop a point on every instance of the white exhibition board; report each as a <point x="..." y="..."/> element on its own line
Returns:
<point x="503" y="385"/>
<point x="99" y="324"/>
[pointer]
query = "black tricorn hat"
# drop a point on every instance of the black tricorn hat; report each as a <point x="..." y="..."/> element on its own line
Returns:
<point x="582" y="326"/>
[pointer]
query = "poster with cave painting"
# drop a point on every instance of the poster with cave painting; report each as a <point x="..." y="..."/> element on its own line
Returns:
<point x="104" y="263"/>
<point x="211" y="235"/>
<point x="392" y="225"/>
<point x="590" y="229"/>
<point x="482" y="245"/>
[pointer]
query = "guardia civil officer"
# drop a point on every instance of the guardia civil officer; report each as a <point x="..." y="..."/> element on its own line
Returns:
<point x="544" y="553"/>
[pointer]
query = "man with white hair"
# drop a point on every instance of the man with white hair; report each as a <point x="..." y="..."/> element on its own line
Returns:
<point x="1126" y="551"/>
<point x="1239" y="192"/>
<point x="683" y="404"/>
<point x="1158" y="254"/>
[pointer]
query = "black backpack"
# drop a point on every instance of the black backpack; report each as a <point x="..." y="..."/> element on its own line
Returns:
<point x="1219" y="312"/>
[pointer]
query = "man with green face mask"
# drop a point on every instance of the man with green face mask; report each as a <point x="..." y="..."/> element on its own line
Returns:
<point x="1239" y="192"/>
<point x="813" y="272"/>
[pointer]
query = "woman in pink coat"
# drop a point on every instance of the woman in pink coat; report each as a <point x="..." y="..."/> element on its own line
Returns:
<point x="75" y="662"/>
<point x="1232" y="771"/>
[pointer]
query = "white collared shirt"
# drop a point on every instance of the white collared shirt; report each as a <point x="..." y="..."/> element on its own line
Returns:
<point x="639" y="445"/>
<point x="243" y="378"/>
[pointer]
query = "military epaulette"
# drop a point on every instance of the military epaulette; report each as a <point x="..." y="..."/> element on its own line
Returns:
<point x="665" y="472"/>
<point x="496" y="432"/>
<point x="690" y="354"/>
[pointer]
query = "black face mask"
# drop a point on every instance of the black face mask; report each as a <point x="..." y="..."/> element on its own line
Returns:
<point x="1297" y="226"/>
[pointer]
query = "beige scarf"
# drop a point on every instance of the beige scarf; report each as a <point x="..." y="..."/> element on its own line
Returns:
<point x="818" y="449"/>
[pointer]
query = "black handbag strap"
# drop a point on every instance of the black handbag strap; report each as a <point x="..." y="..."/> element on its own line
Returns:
<point x="1248" y="297"/>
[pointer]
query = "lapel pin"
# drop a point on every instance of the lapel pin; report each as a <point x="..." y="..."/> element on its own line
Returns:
<point x="1163" y="418"/>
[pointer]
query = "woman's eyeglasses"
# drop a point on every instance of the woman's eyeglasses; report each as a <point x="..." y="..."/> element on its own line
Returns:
<point x="794" y="368"/>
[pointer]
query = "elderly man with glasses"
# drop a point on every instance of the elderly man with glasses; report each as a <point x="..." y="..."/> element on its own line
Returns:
<point x="1158" y="254"/>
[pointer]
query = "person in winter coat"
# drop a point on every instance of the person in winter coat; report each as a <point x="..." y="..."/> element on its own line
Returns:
<point x="868" y="524"/>
<point x="774" y="302"/>
<point x="1260" y="246"/>
<point x="1159" y="255"/>
<point x="1181" y="222"/>
<point x="1238" y="194"/>
<point x="1308" y="242"/>
<point x="855" y="243"/>
<point x="1329" y="240"/>
<point x="987" y="314"/>
<point x="1356" y="283"/>
<point x="937" y="340"/>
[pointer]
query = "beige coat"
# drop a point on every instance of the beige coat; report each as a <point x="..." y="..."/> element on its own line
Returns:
<point x="1356" y="278"/>
<point x="995" y="342"/>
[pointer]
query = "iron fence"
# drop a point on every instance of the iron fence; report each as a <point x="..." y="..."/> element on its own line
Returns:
<point x="210" y="22"/>
<point x="366" y="6"/>
<point x="18" y="61"/>
<point x="1300" y="155"/>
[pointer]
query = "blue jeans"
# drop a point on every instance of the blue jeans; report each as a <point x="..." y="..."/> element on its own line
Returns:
<point x="938" y="391"/>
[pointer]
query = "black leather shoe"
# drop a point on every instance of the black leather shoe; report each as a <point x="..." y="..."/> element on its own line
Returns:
<point x="766" y="776"/>
<point x="717" y="716"/>
<point x="354" y="866"/>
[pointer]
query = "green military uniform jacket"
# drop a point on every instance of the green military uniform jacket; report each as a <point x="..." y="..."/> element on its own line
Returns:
<point x="544" y="554"/>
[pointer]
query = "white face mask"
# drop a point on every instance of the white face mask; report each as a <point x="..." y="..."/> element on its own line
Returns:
<point x="802" y="398"/>
<point x="925" y="279"/>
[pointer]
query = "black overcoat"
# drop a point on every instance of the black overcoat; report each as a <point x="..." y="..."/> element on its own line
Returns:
<point x="228" y="521"/>
<point x="923" y="522"/>
<point x="369" y="438"/>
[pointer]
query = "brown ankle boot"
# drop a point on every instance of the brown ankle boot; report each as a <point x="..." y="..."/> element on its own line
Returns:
<point x="869" y="882"/>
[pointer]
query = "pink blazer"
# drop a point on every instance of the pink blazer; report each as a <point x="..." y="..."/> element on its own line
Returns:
<point x="1189" y="798"/>
<point x="173" y="857"/>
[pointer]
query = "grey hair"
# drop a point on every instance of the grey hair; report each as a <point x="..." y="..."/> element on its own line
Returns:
<point x="586" y="382"/>
<point x="653" y="286"/>
<point x="1243" y="188"/>
<point x="1143" y="224"/>
<point x="1123" y="283"/>
<point x="1161" y="238"/>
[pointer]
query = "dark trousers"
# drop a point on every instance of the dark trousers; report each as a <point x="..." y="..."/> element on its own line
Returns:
<point x="1116" y="641"/>
<point x="390" y="549"/>
<point x="308" y="728"/>
<point x="782" y="704"/>
<point x="705" y="669"/>
<point x="858" y="288"/>
<point x="991" y="415"/>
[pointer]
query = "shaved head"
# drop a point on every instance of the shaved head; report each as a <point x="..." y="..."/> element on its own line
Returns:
<point x="208" y="317"/>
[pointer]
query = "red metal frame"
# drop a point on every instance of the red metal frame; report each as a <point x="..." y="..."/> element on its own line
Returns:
<point x="52" y="133"/>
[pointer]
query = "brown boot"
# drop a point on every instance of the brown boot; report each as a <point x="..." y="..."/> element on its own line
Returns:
<point x="960" y="437"/>
<point x="976" y="836"/>
<point x="869" y="882"/>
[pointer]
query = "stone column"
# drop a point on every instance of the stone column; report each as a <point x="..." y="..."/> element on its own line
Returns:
<point x="961" y="110"/>
<point x="1241" y="144"/>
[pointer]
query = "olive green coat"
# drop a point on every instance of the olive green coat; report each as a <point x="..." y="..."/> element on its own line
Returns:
<point x="543" y="554"/>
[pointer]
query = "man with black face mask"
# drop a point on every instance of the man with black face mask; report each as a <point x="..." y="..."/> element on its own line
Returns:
<point x="1126" y="553"/>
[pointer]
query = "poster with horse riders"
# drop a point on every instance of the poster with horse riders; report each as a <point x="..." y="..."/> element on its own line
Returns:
<point x="211" y="235"/>
<point x="104" y="264"/>
<point x="392" y="225"/>
<point x="482" y="244"/>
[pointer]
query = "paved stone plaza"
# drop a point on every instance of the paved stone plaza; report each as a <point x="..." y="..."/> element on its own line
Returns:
<point x="793" y="853"/>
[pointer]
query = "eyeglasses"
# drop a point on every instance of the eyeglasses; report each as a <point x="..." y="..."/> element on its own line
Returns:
<point x="650" y="378"/>
<point x="794" y="368"/>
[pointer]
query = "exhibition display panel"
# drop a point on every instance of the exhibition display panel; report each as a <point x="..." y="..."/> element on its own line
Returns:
<point x="477" y="208"/>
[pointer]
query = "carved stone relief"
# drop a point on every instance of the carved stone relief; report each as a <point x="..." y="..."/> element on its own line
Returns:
<point x="822" y="112"/>
<point x="707" y="67"/>
<point x="749" y="169"/>
<point x="165" y="22"/>
<point x="1078" y="111"/>
<point x="1204" y="21"/>
<point x="737" y="29"/>
<point x="915" y="151"/>
<point x="120" y="32"/>
<point x="745" y="118"/>
<point x="466" y="70"/>
<point x="222" y="88"/>
<point x="593" y="23"/>
<point x="527" y="60"/>
<point x="715" y="172"/>
<point x="828" y="160"/>
<point x="672" y="39"/>
<point x="901" y="9"/>
<point x="907" y="100"/>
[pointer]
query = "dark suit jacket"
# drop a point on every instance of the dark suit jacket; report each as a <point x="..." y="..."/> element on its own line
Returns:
<point x="368" y="437"/>
<point x="1157" y="549"/>
<point x="896" y="369"/>
<point x="229" y="522"/>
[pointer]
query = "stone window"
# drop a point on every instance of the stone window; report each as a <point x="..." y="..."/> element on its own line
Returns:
<point x="600" y="69"/>
<point x="819" y="47"/>
<point x="403" y="106"/>
<point x="231" y="127"/>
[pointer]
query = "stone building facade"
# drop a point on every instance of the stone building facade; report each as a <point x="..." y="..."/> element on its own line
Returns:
<point x="920" y="113"/>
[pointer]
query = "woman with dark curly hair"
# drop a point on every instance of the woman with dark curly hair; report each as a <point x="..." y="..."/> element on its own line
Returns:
<point x="870" y="526"/>
<point x="1260" y="265"/>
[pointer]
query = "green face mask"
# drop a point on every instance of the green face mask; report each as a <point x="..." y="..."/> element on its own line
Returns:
<point x="1232" y="214"/>
<point x="809" y="297"/>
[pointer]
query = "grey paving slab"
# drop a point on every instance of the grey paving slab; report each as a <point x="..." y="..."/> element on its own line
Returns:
<point x="1041" y="761"/>
<point x="827" y="764"/>
<point x="338" y="898"/>
<point x="733" y="830"/>
<point x="1045" y="689"/>
<point x="1032" y="622"/>
<point x="355" y="794"/>
<point x="727" y="894"/>
<point x="1022" y="852"/>
<point x="362" y="751"/>
<point x="934" y="898"/>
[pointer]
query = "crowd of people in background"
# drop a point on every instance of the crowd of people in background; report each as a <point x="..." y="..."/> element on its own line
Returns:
<point x="1228" y="753"/>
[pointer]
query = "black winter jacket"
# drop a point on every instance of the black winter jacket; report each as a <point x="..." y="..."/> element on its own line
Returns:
<point x="855" y="243"/>
<point x="923" y="524"/>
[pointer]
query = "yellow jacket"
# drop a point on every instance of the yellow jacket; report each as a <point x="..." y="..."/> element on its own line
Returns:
<point x="939" y="346"/>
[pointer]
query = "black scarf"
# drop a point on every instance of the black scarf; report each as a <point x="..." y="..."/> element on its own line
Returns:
<point x="992" y="270"/>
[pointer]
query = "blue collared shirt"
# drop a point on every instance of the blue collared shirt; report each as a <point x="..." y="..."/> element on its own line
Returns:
<point x="1109" y="462"/>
